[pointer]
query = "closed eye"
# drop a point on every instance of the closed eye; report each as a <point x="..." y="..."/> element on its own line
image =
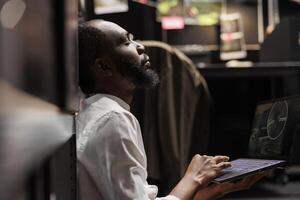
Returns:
<point x="129" y="39"/>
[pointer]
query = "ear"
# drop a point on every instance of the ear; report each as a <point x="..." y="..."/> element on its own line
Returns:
<point x="103" y="66"/>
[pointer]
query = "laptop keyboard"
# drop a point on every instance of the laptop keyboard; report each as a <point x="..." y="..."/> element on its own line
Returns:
<point x="245" y="166"/>
<point x="250" y="164"/>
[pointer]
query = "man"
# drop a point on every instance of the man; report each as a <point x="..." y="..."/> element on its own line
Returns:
<point x="112" y="160"/>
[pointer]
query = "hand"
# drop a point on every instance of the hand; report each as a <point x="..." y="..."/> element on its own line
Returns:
<point x="215" y="190"/>
<point x="201" y="170"/>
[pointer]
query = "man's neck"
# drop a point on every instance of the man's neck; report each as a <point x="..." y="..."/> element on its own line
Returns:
<point x="122" y="89"/>
<point x="126" y="96"/>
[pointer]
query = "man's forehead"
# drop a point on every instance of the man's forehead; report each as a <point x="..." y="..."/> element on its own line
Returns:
<point x="107" y="27"/>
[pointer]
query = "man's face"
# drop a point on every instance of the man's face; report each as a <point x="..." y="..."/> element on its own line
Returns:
<point x="129" y="56"/>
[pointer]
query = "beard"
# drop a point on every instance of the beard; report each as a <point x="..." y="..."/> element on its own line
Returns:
<point x="140" y="76"/>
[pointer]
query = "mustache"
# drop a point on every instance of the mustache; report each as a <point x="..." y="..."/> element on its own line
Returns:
<point x="145" y="59"/>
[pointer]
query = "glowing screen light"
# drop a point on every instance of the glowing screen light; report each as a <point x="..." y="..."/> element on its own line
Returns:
<point x="172" y="22"/>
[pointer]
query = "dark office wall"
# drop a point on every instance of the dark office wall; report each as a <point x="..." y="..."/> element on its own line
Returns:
<point x="289" y="9"/>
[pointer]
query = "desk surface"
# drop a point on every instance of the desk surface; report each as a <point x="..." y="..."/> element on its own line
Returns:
<point x="256" y="70"/>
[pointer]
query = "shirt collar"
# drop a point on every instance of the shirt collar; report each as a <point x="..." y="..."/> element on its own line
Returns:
<point x="98" y="96"/>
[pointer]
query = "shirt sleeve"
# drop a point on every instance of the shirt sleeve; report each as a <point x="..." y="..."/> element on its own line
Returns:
<point x="169" y="197"/>
<point x="121" y="160"/>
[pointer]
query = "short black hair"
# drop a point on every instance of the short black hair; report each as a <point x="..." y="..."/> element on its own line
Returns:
<point x="91" y="46"/>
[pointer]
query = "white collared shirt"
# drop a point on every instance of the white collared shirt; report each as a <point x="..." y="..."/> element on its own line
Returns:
<point x="110" y="150"/>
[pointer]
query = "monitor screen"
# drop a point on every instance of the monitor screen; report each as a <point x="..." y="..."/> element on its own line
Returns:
<point x="195" y="12"/>
<point x="110" y="6"/>
<point x="167" y="8"/>
<point x="233" y="44"/>
<point x="208" y="35"/>
<point x="203" y="12"/>
<point x="274" y="126"/>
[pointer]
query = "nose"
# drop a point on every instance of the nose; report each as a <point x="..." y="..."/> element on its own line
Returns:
<point x="140" y="48"/>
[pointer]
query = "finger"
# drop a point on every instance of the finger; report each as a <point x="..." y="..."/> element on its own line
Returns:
<point x="251" y="180"/>
<point x="265" y="173"/>
<point x="198" y="156"/>
<point x="206" y="157"/>
<point x="268" y="172"/>
<point x="223" y="165"/>
<point x="258" y="177"/>
<point x="219" y="159"/>
<point x="241" y="184"/>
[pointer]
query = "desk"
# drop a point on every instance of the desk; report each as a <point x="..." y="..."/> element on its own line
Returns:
<point x="257" y="70"/>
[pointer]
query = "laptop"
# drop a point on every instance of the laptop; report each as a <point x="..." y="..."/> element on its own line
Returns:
<point x="271" y="141"/>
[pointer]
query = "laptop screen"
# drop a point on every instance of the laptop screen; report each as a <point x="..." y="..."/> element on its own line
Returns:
<point x="273" y="129"/>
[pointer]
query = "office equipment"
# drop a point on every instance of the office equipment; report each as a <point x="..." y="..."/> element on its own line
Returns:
<point x="233" y="44"/>
<point x="272" y="141"/>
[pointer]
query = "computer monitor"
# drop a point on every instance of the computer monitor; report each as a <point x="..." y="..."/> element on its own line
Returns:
<point x="232" y="45"/>
<point x="110" y="6"/>
<point x="203" y="12"/>
<point x="251" y="12"/>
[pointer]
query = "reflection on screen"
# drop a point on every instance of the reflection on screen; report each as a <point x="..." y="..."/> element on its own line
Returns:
<point x="274" y="125"/>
